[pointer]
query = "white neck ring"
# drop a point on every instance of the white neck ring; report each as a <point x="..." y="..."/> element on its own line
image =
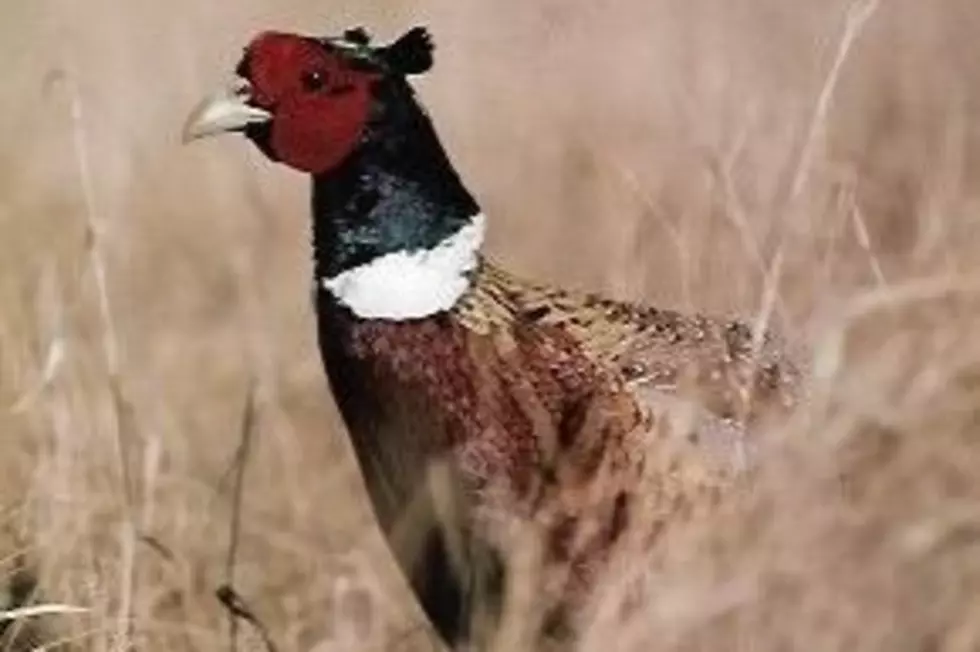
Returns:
<point x="411" y="284"/>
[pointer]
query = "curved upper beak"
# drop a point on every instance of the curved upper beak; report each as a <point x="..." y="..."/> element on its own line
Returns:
<point x="226" y="110"/>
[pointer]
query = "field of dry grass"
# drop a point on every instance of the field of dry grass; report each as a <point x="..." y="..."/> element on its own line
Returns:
<point x="815" y="163"/>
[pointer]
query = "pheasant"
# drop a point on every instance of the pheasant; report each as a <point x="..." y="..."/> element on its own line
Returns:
<point x="478" y="402"/>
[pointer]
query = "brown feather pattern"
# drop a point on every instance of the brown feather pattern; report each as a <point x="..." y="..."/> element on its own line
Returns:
<point x="536" y="398"/>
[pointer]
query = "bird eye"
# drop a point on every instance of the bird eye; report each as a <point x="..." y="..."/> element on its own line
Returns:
<point x="241" y="87"/>
<point x="314" y="80"/>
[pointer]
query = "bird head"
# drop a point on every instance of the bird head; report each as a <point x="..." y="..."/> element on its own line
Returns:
<point x="307" y="101"/>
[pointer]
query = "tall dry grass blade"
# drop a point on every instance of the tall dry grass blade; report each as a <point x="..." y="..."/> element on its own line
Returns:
<point x="94" y="228"/>
<point x="858" y="15"/>
<point x="864" y="240"/>
<point x="736" y="211"/>
<point x="237" y="608"/>
<point x="910" y="292"/>
<point x="36" y="610"/>
<point x="125" y="620"/>
<point x="52" y="330"/>
<point x="234" y="535"/>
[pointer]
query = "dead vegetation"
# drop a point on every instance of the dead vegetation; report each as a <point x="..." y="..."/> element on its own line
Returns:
<point x="815" y="164"/>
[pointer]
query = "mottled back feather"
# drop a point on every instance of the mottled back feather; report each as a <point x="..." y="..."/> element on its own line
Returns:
<point x="708" y="359"/>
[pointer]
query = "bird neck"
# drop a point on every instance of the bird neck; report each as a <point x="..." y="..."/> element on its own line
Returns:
<point x="395" y="231"/>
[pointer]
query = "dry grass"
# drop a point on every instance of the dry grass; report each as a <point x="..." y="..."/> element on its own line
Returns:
<point x="729" y="155"/>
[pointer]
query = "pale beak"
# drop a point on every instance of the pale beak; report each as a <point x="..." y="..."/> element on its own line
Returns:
<point x="226" y="110"/>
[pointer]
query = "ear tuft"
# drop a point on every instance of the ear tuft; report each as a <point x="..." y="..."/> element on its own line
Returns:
<point x="357" y="36"/>
<point x="411" y="54"/>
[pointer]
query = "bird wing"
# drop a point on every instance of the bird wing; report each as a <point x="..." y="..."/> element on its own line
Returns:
<point x="629" y="421"/>
<point x="715" y="363"/>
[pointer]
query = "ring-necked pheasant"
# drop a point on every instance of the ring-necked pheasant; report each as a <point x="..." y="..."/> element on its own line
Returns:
<point x="476" y="401"/>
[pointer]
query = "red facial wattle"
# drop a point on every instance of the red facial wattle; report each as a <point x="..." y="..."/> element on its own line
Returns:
<point x="319" y="103"/>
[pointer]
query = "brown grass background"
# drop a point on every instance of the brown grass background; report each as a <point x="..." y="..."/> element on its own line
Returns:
<point x="768" y="157"/>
